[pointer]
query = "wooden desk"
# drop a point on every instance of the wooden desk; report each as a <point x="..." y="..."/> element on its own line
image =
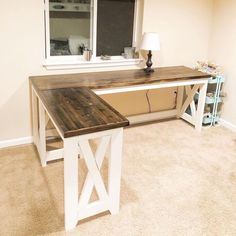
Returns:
<point x="79" y="115"/>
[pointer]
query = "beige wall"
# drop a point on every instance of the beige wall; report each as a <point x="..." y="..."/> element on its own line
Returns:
<point x="223" y="51"/>
<point x="183" y="26"/>
<point x="21" y="27"/>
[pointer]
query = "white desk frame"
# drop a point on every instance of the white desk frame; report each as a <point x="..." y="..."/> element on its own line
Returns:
<point x="196" y="117"/>
<point x="78" y="208"/>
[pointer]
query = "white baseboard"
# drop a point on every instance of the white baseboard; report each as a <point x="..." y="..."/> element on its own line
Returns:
<point x="228" y="125"/>
<point x="28" y="140"/>
<point x="15" y="142"/>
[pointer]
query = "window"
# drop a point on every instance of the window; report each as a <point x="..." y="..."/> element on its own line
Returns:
<point x="99" y="27"/>
<point x="115" y="19"/>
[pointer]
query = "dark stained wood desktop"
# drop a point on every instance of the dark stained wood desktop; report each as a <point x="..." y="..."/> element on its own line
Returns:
<point x="77" y="110"/>
<point x="112" y="79"/>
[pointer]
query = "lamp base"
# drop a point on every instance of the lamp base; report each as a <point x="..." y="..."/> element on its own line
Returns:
<point x="149" y="69"/>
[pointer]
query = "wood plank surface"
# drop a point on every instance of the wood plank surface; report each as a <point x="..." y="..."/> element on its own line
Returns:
<point x="78" y="111"/>
<point x="111" y="79"/>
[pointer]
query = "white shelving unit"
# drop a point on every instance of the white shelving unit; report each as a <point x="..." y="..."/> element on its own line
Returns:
<point x="211" y="117"/>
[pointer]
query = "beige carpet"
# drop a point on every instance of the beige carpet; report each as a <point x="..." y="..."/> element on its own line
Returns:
<point x="174" y="182"/>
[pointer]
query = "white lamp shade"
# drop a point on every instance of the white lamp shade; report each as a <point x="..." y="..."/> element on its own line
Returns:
<point x="150" y="41"/>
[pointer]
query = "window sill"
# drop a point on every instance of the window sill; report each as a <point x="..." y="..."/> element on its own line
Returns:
<point x="94" y="63"/>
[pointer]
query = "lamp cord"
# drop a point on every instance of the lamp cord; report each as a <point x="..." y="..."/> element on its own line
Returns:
<point x="148" y="101"/>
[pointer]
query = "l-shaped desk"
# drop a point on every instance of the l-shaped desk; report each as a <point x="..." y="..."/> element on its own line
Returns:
<point x="78" y="114"/>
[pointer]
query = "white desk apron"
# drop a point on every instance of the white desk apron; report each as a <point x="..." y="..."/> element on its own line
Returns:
<point x="190" y="87"/>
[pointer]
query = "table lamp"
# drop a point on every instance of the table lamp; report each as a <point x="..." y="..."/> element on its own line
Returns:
<point x="151" y="43"/>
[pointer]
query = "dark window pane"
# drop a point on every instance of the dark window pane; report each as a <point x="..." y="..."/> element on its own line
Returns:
<point x="114" y="26"/>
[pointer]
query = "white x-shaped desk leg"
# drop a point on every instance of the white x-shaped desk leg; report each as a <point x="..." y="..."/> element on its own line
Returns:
<point x="197" y="112"/>
<point x="79" y="208"/>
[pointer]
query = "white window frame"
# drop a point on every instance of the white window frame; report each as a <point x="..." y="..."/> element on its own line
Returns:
<point x="76" y="61"/>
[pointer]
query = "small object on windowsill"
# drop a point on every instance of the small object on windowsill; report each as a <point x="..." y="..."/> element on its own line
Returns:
<point x="105" y="57"/>
<point x="87" y="53"/>
<point x="81" y="48"/>
<point x="135" y="55"/>
<point x="129" y="52"/>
